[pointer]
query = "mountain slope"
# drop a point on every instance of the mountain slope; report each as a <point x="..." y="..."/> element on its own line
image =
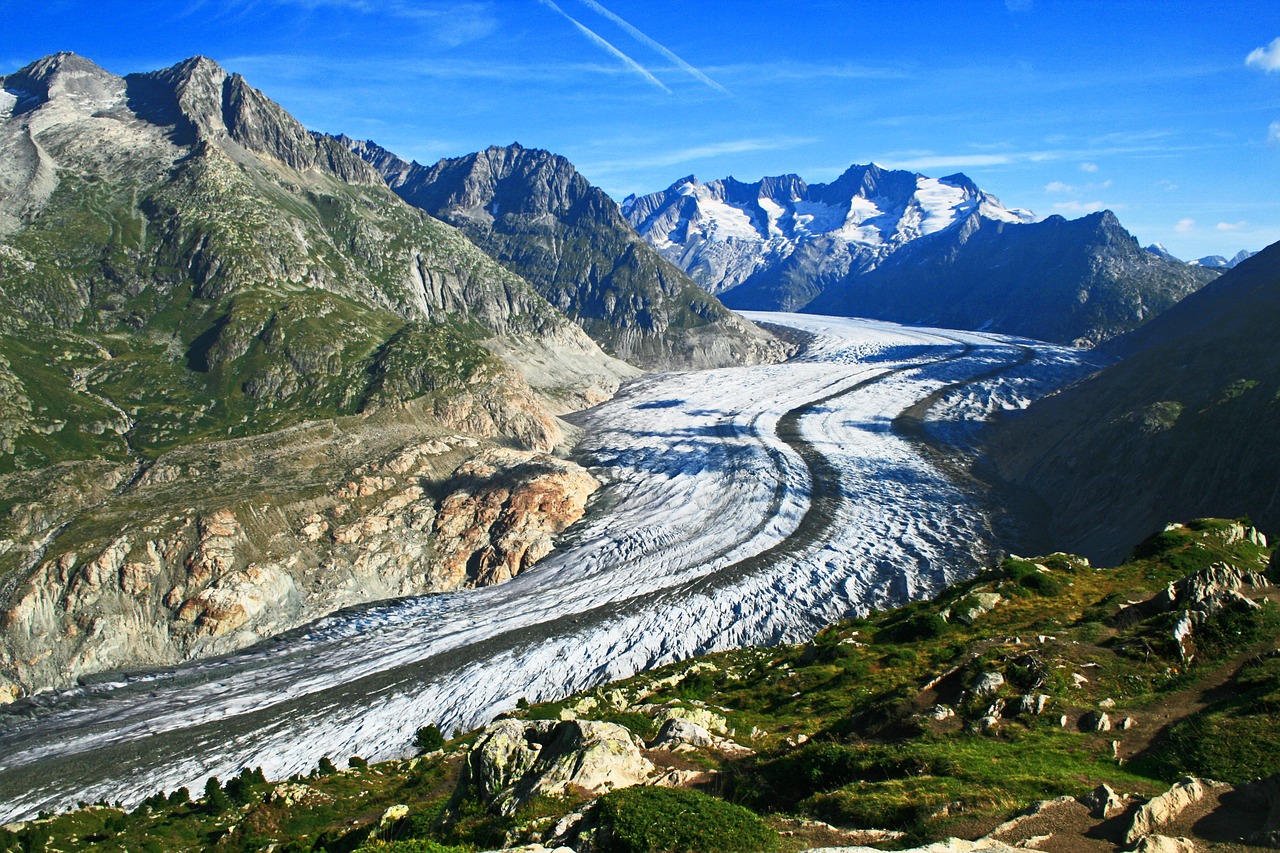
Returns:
<point x="214" y="327"/>
<point x="1183" y="424"/>
<point x="900" y="246"/>
<point x="1076" y="281"/>
<point x="533" y="212"/>
<point x="775" y="244"/>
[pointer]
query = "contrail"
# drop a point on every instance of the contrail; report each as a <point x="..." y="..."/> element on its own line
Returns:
<point x="655" y="45"/>
<point x="599" y="40"/>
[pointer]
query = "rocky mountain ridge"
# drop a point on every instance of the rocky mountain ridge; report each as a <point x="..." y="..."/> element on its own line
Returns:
<point x="215" y="322"/>
<point x="535" y="213"/>
<point x="747" y="241"/>
<point x="895" y="245"/>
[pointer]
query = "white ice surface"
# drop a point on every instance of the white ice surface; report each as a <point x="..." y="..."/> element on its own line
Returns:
<point x="685" y="551"/>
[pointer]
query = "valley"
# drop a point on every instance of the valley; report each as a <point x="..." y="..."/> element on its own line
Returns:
<point x="749" y="505"/>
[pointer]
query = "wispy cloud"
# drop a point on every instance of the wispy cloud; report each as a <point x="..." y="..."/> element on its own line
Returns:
<point x="1089" y="167"/>
<point x="1018" y="5"/>
<point x="1058" y="187"/>
<point x="653" y="44"/>
<point x="601" y="42"/>
<point x="1185" y="226"/>
<point x="1273" y="133"/>
<point x="1266" y="58"/>
<point x="1231" y="226"/>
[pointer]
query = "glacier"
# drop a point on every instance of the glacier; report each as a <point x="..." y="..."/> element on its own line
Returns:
<point x="748" y="505"/>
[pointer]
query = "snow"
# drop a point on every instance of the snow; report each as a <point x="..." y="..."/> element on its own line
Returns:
<point x="709" y="534"/>
<point x="939" y="204"/>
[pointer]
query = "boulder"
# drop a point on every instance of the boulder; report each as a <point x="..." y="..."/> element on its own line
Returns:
<point x="1165" y="844"/>
<point x="1102" y="802"/>
<point x="987" y="684"/>
<point x="709" y="720"/>
<point x="678" y="732"/>
<point x="1164" y="809"/>
<point x="516" y="760"/>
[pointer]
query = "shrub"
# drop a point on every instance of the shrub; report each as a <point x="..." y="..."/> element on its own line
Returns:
<point x="413" y="846"/>
<point x="922" y="626"/>
<point x="1041" y="584"/>
<point x="355" y="762"/>
<point x="180" y="797"/>
<point x="429" y="739"/>
<point x="672" y="820"/>
<point x="325" y="767"/>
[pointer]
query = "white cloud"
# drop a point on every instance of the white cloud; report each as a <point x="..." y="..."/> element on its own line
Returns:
<point x="1058" y="187"/>
<point x="1084" y="206"/>
<point x="1089" y="167"/>
<point x="1232" y="226"/>
<point x="1265" y="58"/>
<point x="1166" y="185"/>
<point x="1273" y="133"/>
<point x="1106" y="185"/>
<point x="1185" y="226"/>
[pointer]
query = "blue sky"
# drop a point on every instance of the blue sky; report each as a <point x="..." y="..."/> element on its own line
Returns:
<point x="1167" y="113"/>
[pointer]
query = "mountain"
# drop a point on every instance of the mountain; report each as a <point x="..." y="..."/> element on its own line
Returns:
<point x="1184" y="423"/>
<point x="775" y="244"/>
<point x="1078" y="281"/>
<point x="900" y="246"/>
<point x="238" y="374"/>
<point x="534" y="213"/>
<point x="1160" y="251"/>
<point x="1218" y="262"/>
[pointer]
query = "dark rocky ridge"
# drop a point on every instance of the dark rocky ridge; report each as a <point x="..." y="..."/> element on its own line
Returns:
<point x="534" y="213"/>
<point x="1184" y="424"/>
<point x="1078" y="281"/>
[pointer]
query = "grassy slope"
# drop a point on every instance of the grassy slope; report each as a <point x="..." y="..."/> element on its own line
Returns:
<point x="853" y="700"/>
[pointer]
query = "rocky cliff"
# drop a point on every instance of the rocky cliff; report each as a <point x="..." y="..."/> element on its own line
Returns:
<point x="534" y="213"/>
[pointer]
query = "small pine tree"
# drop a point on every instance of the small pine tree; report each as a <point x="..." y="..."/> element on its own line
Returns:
<point x="180" y="797"/>
<point x="428" y="739"/>
<point x="216" y="800"/>
<point x="326" y="767"/>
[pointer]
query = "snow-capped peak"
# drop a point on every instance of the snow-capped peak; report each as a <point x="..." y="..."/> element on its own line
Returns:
<point x="723" y="231"/>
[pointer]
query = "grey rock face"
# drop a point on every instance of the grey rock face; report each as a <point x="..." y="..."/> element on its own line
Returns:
<point x="516" y="760"/>
<point x="534" y="213"/>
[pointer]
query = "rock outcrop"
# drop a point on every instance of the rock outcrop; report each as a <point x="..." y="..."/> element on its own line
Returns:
<point x="503" y="512"/>
<point x="515" y="760"/>
<point x="212" y="579"/>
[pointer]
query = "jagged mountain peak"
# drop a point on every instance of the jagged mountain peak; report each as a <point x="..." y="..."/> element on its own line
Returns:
<point x="727" y="233"/>
<point x="206" y="104"/>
